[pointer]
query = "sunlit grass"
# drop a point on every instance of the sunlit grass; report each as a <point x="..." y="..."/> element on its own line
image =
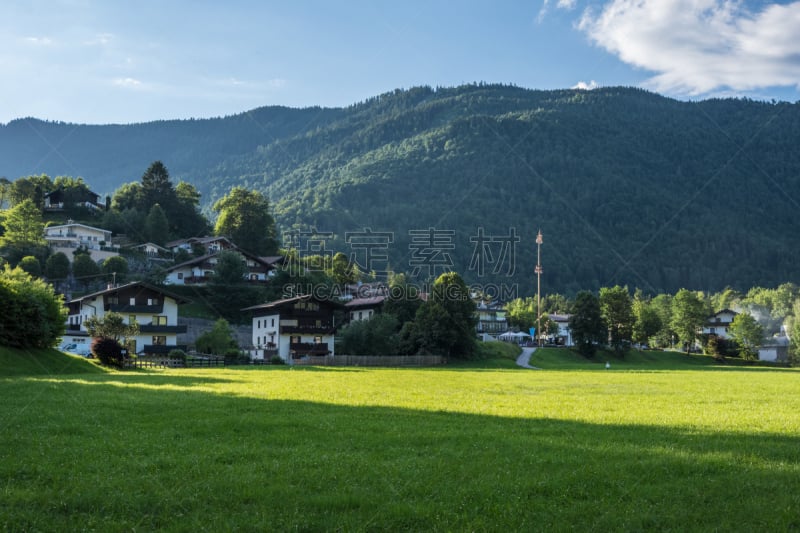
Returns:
<point x="450" y="448"/>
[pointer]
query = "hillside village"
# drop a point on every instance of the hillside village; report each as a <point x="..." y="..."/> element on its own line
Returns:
<point x="281" y="305"/>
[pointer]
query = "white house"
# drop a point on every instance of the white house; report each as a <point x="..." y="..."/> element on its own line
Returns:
<point x="154" y="309"/>
<point x="68" y="237"/>
<point x="293" y="328"/>
<point x="718" y="323"/>
<point x="564" y="333"/>
<point x="364" y="308"/>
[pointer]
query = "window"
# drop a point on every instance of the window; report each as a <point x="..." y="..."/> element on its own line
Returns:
<point x="131" y="319"/>
<point x="159" y="340"/>
<point x="132" y="301"/>
<point x="259" y="325"/>
<point x="180" y="275"/>
<point x="159" y="320"/>
<point x="273" y="323"/>
<point x="360" y="315"/>
<point x="317" y="340"/>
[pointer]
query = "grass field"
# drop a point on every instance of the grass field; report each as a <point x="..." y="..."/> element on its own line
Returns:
<point x="479" y="446"/>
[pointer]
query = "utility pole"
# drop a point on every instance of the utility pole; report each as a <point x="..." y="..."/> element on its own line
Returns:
<point x="539" y="287"/>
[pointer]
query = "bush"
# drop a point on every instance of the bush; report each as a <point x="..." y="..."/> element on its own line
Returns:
<point x="277" y="360"/>
<point x="177" y="354"/>
<point x="32" y="315"/>
<point x="108" y="351"/>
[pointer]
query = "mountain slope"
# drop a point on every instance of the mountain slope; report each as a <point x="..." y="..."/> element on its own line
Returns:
<point x="627" y="186"/>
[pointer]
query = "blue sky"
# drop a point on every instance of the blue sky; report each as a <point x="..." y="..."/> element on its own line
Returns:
<point x="112" y="61"/>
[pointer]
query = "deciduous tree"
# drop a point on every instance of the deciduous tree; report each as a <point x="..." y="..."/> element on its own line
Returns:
<point x="688" y="315"/>
<point x="748" y="334"/>
<point x="245" y="218"/>
<point x="586" y="323"/>
<point x="617" y="311"/>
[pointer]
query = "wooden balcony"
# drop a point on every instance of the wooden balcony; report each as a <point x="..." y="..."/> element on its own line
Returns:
<point x="302" y="349"/>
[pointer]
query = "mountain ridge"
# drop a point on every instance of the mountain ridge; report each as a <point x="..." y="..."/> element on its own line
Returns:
<point x="628" y="186"/>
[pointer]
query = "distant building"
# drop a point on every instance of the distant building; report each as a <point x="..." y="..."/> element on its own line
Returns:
<point x="364" y="308"/>
<point x="564" y="336"/>
<point x="718" y="323"/>
<point x="491" y="318"/>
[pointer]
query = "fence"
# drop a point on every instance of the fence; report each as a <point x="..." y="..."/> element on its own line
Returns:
<point x="172" y="362"/>
<point x="372" y="360"/>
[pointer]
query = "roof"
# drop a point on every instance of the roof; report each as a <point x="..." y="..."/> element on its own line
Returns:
<point x="199" y="240"/>
<point x="74" y="224"/>
<point x="206" y="257"/>
<point x="178" y="299"/>
<point x="555" y="317"/>
<point x="279" y="303"/>
<point x="272" y="259"/>
<point x="366" y="302"/>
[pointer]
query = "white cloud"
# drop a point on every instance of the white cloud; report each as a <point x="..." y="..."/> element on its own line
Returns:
<point x="699" y="46"/>
<point x="101" y="39"/>
<point x="39" y="41"/>
<point x="129" y="83"/>
<point x="585" y="86"/>
<point x="567" y="5"/>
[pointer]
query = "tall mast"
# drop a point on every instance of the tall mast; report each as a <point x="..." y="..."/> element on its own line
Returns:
<point x="539" y="286"/>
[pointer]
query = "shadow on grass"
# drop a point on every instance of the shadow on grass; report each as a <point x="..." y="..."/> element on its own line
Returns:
<point x="177" y="459"/>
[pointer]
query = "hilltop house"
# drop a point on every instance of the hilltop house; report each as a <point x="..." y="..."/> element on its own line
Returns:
<point x="293" y="328"/>
<point x="211" y="244"/>
<point x="718" y="323"/>
<point x="154" y="309"/>
<point x="68" y="237"/>
<point x="58" y="200"/>
<point x="199" y="270"/>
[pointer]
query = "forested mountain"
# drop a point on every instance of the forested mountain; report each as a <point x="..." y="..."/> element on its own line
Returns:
<point x="627" y="186"/>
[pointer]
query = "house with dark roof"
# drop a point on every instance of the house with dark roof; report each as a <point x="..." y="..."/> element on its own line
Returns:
<point x="59" y="199"/>
<point x="211" y="244"/>
<point x="719" y="323"/>
<point x="364" y="308"/>
<point x="153" y="308"/>
<point x="293" y="328"/>
<point x="199" y="270"/>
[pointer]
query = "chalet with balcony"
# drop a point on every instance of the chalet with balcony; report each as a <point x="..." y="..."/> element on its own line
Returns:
<point x="154" y="309"/>
<point x="293" y="328"/>
<point x="492" y="319"/>
<point x="200" y="270"/>
<point x="68" y="237"/>
<point x="718" y="323"/>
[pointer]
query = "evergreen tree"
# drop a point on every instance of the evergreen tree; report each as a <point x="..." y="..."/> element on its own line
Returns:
<point x="85" y="270"/>
<point x="156" y="225"/>
<point x="115" y="268"/>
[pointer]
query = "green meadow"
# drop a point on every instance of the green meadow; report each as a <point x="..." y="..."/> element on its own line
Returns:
<point x="658" y="442"/>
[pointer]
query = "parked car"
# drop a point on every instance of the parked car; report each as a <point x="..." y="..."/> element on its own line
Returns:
<point x="79" y="349"/>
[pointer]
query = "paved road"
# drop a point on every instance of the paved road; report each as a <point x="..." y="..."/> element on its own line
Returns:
<point x="524" y="359"/>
